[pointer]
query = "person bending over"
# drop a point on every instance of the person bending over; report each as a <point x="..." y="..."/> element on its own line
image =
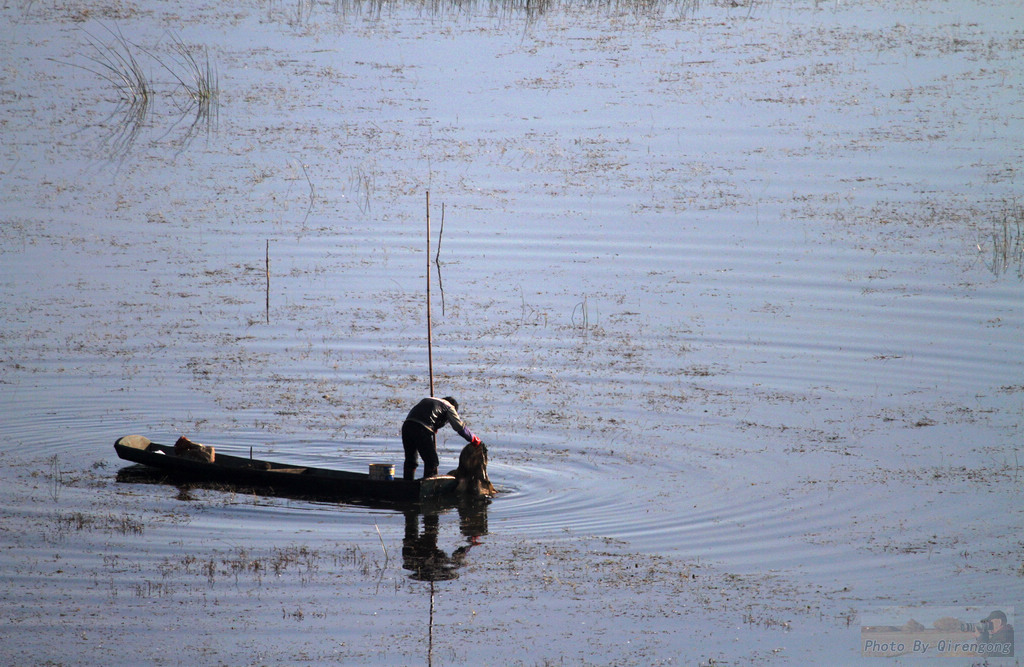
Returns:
<point x="424" y="420"/>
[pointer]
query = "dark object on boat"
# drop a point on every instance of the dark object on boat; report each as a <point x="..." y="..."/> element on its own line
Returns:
<point x="471" y="475"/>
<point x="279" y="478"/>
<point x="193" y="450"/>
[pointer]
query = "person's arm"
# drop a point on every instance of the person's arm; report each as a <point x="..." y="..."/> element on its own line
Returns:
<point x="460" y="427"/>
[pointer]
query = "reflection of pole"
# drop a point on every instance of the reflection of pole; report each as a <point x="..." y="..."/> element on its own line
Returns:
<point x="430" y="636"/>
<point x="437" y="259"/>
<point x="268" y="280"/>
<point x="430" y="349"/>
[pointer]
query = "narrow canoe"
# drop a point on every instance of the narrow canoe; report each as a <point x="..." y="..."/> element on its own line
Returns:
<point x="320" y="483"/>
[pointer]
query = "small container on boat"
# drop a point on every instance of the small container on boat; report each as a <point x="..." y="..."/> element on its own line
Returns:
<point x="382" y="472"/>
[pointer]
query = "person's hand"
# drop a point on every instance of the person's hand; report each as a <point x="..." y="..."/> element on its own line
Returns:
<point x="475" y="441"/>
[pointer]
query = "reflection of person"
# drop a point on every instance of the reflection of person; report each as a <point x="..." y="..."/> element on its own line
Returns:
<point x="996" y="631"/>
<point x="473" y="520"/>
<point x="420" y="554"/>
<point x="424" y="420"/>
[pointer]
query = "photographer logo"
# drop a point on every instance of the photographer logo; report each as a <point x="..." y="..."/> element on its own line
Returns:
<point x="937" y="632"/>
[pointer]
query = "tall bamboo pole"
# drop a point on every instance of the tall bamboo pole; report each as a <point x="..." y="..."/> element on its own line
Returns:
<point x="268" y="282"/>
<point x="430" y="346"/>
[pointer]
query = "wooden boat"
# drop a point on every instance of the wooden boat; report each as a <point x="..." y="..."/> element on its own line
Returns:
<point x="280" y="478"/>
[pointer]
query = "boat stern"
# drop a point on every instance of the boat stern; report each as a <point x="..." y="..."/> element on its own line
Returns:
<point x="134" y="442"/>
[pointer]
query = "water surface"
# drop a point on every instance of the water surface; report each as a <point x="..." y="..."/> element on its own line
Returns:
<point x="733" y="293"/>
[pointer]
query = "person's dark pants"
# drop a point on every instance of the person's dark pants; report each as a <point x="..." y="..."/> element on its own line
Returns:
<point x="417" y="439"/>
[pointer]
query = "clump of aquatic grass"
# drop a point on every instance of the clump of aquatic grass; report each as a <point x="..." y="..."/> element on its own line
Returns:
<point x="530" y="315"/>
<point x="125" y="524"/>
<point x="241" y="562"/>
<point x="581" y="315"/>
<point x="198" y="78"/>
<point x="1005" y="242"/>
<point x="117" y="64"/>
<point x="530" y="10"/>
<point x="151" y="589"/>
<point x="202" y="82"/>
<point x="361" y="183"/>
<point x="56" y="478"/>
<point x="120" y="64"/>
<point x="303" y="13"/>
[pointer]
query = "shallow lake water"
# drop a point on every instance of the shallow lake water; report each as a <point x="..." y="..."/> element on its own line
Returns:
<point x="734" y="291"/>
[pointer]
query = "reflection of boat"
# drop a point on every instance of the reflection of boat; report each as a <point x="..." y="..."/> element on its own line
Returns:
<point x="279" y="478"/>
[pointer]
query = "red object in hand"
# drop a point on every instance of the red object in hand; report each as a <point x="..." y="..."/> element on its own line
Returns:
<point x="475" y="441"/>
